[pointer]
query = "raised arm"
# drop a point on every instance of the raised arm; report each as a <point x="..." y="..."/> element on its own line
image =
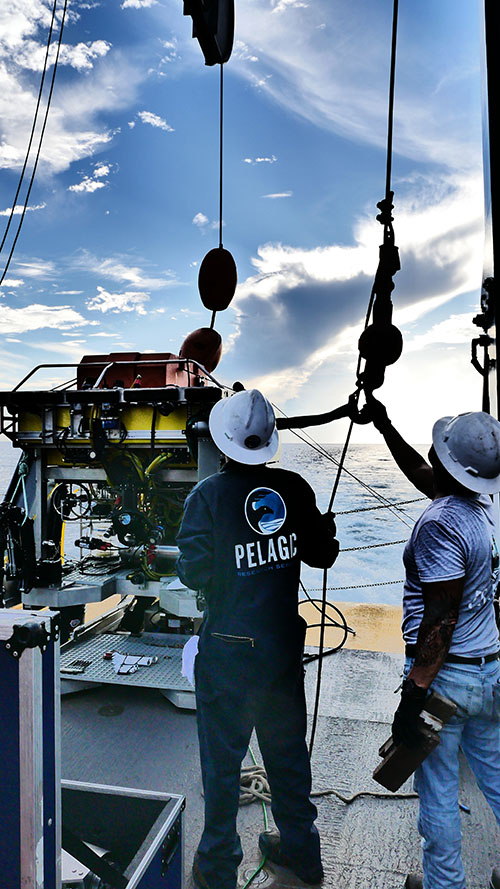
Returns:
<point x="417" y="470"/>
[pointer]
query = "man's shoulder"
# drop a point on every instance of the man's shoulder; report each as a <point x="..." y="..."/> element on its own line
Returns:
<point x="285" y="477"/>
<point x="458" y="515"/>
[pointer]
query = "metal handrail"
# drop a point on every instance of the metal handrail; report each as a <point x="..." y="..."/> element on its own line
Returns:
<point x="120" y="363"/>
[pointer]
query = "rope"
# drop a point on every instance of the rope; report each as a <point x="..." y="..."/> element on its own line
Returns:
<point x="379" y="794"/>
<point x="316" y="446"/>
<point x="351" y="424"/>
<point x="254" y="785"/>
<point x="42" y="133"/>
<point x="390" y="121"/>
<point x="221" y="134"/>
<point x="14" y="203"/>
<point x="247" y="770"/>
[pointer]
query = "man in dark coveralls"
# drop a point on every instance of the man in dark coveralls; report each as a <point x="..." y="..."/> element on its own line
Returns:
<point x="244" y="533"/>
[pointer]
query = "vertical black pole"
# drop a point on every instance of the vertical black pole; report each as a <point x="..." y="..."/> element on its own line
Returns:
<point x="492" y="161"/>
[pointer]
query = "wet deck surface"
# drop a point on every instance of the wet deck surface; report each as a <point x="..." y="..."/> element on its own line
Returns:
<point x="134" y="737"/>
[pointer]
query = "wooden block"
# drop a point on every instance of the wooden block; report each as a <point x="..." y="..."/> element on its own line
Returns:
<point x="399" y="761"/>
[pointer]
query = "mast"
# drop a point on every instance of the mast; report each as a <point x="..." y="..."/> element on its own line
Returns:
<point x="490" y="299"/>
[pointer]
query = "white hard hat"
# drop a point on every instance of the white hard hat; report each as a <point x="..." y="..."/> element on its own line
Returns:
<point x="244" y="427"/>
<point x="468" y="446"/>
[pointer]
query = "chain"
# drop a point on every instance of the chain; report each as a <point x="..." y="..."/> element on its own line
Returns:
<point x="381" y="506"/>
<point x="356" y="586"/>
<point x="352" y="549"/>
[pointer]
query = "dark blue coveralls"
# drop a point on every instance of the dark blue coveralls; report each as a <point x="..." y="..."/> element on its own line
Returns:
<point x="244" y="533"/>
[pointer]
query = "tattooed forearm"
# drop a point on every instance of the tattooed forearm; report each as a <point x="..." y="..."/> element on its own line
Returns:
<point x="441" y="608"/>
<point x="434" y="641"/>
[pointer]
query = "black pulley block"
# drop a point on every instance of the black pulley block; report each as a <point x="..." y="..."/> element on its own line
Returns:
<point x="381" y="343"/>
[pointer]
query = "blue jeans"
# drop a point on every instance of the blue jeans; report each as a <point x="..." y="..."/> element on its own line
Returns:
<point x="476" y="729"/>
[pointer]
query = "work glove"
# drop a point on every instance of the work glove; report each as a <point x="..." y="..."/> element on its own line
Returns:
<point x="329" y="522"/>
<point x="406" y="724"/>
<point x="375" y="412"/>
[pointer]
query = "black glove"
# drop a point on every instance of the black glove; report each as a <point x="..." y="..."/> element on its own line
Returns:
<point x="329" y="522"/>
<point x="406" y="725"/>
<point x="375" y="412"/>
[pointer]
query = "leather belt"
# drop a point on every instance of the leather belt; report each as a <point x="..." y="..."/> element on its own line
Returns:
<point x="411" y="650"/>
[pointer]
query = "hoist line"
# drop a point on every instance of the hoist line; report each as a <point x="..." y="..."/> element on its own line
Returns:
<point x="28" y="150"/>
<point x="221" y="136"/>
<point x="387" y="228"/>
<point x="42" y="133"/>
<point x="392" y="82"/>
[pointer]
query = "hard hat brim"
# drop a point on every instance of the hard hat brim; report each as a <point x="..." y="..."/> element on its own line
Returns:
<point x="478" y="484"/>
<point x="217" y="425"/>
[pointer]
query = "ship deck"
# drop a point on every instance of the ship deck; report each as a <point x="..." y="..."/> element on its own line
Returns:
<point x="134" y="737"/>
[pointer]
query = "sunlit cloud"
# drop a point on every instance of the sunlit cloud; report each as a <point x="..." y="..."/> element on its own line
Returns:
<point x="19" y="209"/>
<point x="131" y="301"/>
<point x="116" y="268"/>
<point x="277" y="195"/>
<point x="260" y="160"/>
<point x="155" y="121"/>
<point x="37" y="317"/>
<point x="138" y="4"/>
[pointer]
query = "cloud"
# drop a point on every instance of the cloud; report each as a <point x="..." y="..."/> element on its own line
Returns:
<point x="18" y="209"/>
<point x="31" y="55"/>
<point x="36" y="317"/>
<point x="103" y="80"/>
<point x="155" y="121"/>
<point x="204" y="224"/>
<point x="116" y="268"/>
<point x="131" y="301"/>
<point x="455" y="330"/>
<point x="138" y="4"/>
<point x="339" y="83"/>
<point x="13" y="282"/>
<point x="242" y="52"/>
<point x="305" y="307"/>
<point x="281" y="5"/>
<point x="94" y="181"/>
<point x="260" y="160"/>
<point x="279" y="194"/>
<point x="35" y="268"/>
<point x="200" y="220"/>
<point x="87" y="185"/>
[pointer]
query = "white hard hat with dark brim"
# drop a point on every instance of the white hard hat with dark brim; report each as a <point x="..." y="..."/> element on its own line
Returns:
<point x="468" y="446"/>
<point x="244" y="428"/>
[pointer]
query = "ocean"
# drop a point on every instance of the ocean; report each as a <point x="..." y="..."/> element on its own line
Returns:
<point x="369" y="567"/>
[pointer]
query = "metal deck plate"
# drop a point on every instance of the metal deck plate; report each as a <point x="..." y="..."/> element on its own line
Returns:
<point x="165" y="674"/>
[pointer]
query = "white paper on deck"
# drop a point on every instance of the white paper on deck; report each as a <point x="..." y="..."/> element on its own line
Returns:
<point x="189" y="653"/>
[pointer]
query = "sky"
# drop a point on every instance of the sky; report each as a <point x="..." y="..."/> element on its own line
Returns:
<point x="125" y="201"/>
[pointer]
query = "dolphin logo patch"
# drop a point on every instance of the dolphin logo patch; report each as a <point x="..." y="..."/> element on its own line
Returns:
<point x="265" y="510"/>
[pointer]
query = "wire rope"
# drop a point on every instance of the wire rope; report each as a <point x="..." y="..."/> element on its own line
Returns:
<point x="221" y="145"/>
<point x="384" y="502"/>
<point x="351" y="424"/>
<point x="37" y="157"/>
<point x="35" y="118"/>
